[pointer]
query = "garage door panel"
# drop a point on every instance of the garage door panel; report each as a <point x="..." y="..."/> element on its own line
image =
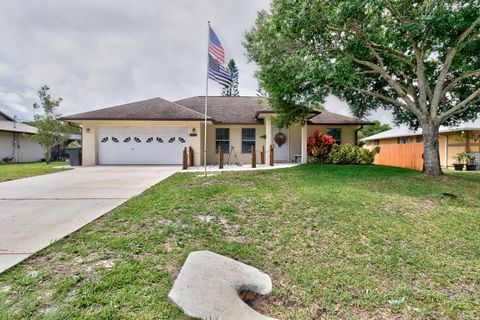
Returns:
<point x="141" y="145"/>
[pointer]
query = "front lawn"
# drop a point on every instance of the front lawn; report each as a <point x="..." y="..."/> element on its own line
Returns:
<point x="338" y="242"/>
<point x="14" y="171"/>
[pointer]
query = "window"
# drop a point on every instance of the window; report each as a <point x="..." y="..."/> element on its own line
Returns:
<point x="404" y="140"/>
<point x="376" y="142"/>
<point x="222" y="138"/>
<point x="336" y="133"/>
<point x="419" y="138"/>
<point x="248" y="139"/>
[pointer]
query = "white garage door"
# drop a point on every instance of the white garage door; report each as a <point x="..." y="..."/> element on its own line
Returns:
<point x="141" y="145"/>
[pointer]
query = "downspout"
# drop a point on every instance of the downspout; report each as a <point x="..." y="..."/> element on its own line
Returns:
<point x="13" y="146"/>
<point x="356" y="134"/>
<point x="14" y="143"/>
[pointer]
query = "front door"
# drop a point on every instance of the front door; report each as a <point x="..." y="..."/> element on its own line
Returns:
<point x="280" y="152"/>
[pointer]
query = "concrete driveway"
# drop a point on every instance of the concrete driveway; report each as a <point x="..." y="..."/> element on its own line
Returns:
<point x="36" y="211"/>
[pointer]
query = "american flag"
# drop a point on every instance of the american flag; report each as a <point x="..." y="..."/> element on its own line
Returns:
<point x="215" y="47"/>
<point x="218" y="72"/>
<point x="216" y="58"/>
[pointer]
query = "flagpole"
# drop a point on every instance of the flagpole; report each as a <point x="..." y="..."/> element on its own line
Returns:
<point x="206" y="110"/>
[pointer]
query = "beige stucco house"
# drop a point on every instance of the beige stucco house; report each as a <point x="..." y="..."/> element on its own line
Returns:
<point x="155" y="131"/>
<point x="14" y="144"/>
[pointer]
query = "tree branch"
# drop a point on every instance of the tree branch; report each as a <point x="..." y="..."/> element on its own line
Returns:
<point x="437" y="92"/>
<point x="394" y="84"/>
<point x="367" y="72"/>
<point x="462" y="106"/>
<point x="396" y="54"/>
<point x="464" y="76"/>
<point x="422" y="82"/>
<point x="379" y="96"/>
<point x="469" y="30"/>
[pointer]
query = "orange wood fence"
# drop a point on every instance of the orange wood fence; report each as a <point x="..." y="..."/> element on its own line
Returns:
<point x="401" y="155"/>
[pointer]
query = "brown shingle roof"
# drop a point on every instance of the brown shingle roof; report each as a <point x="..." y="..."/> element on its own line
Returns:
<point x="228" y="110"/>
<point x="231" y="110"/>
<point x="331" y="118"/>
<point x="152" y="109"/>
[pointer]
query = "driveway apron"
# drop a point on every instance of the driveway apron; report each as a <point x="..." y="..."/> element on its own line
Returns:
<point x="36" y="211"/>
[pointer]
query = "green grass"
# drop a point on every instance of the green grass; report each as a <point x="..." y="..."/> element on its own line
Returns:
<point x="338" y="241"/>
<point x="14" y="171"/>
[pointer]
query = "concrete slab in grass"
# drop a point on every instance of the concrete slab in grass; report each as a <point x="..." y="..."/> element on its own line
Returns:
<point x="209" y="284"/>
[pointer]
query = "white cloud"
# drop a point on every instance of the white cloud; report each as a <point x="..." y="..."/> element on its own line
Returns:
<point x="100" y="53"/>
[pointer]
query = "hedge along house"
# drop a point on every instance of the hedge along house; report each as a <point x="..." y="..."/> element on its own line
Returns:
<point x="401" y="147"/>
<point x="156" y="131"/>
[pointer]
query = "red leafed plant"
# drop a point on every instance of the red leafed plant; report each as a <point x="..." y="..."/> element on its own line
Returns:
<point x="319" y="146"/>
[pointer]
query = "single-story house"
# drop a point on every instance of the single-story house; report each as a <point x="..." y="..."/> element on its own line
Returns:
<point x="14" y="144"/>
<point x="401" y="147"/>
<point x="155" y="131"/>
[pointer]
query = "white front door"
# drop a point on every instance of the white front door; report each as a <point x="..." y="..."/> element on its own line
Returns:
<point x="280" y="153"/>
<point x="141" y="145"/>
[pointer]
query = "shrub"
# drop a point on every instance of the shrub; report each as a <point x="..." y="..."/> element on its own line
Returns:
<point x="365" y="156"/>
<point x="348" y="154"/>
<point x="73" y="144"/>
<point x="471" y="159"/>
<point x="460" y="157"/>
<point x="319" y="146"/>
<point x="7" y="159"/>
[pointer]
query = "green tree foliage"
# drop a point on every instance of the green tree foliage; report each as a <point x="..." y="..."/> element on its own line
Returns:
<point x="417" y="58"/>
<point x="377" y="127"/>
<point x="232" y="91"/>
<point x="51" y="131"/>
<point x="261" y="93"/>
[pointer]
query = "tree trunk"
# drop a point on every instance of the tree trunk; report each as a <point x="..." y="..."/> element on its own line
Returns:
<point x="48" y="155"/>
<point x="431" y="153"/>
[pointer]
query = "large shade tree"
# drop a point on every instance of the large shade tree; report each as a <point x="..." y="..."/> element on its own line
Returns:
<point x="419" y="59"/>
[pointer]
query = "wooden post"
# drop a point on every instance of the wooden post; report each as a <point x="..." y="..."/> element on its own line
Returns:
<point x="220" y="157"/>
<point x="262" y="155"/>
<point x="184" y="159"/>
<point x="190" y="156"/>
<point x="271" y="155"/>
<point x="254" y="157"/>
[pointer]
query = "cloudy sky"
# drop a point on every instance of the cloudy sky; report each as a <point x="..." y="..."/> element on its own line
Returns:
<point x="100" y="53"/>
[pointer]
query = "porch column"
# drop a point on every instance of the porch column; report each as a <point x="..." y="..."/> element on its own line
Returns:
<point x="268" y="139"/>
<point x="304" y="143"/>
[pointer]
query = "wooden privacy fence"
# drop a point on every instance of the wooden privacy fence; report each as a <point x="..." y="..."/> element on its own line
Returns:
<point x="401" y="155"/>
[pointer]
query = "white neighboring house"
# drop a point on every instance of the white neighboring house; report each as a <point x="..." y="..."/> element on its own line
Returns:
<point x="14" y="143"/>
